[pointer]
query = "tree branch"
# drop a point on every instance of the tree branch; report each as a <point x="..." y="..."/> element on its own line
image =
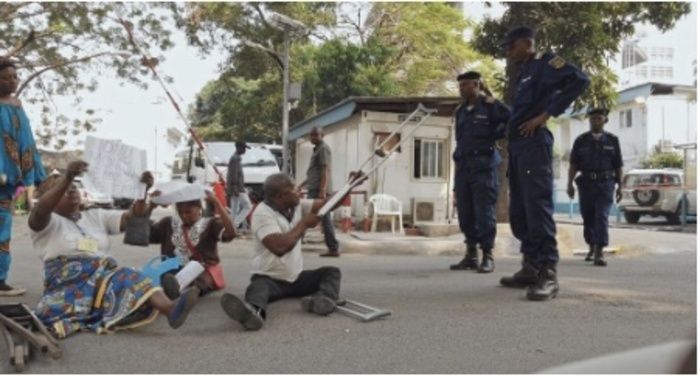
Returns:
<point x="60" y="65"/>
<point x="19" y="46"/>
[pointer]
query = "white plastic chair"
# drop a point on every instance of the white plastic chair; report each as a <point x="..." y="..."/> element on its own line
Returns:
<point x="386" y="205"/>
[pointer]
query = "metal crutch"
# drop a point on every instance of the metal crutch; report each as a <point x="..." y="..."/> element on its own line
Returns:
<point x="360" y="311"/>
<point x="358" y="178"/>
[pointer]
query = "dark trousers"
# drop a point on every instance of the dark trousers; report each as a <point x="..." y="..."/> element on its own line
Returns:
<point x="595" y="200"/>
<point x="327" y="226"/>
<point x="476" y="193"/>
<point x="532" y="203"/>
<point x="263" y="289"/>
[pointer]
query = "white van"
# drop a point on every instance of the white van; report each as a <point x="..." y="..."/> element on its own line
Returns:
<point x="258" y="162"/>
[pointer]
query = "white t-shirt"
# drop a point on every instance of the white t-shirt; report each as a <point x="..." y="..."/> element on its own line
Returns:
<point x="267" y="221"/>
<point x="61" y="236"/>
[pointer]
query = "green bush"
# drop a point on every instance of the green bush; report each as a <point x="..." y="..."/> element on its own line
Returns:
<point x="663" y="160"/>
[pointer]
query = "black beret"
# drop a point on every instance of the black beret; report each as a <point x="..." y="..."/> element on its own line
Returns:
<point x="598" y="110"/>
<point x="519" y="32"/>
<point x="471" y="75"/>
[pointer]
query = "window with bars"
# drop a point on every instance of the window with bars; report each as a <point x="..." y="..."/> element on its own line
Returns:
<point x="429" y="159"/>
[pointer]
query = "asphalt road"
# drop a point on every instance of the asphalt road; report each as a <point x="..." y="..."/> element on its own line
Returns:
<point x="442" y="322"/>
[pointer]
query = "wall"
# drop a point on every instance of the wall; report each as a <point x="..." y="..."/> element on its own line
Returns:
<point x="352" y="142"/>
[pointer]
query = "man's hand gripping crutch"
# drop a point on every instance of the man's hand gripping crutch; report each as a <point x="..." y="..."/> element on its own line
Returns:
<point x="359" y="176"/>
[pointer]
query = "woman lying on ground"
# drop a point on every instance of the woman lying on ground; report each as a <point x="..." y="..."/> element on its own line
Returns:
<point x="84" y="289"/>
<point x="192" y="237"/>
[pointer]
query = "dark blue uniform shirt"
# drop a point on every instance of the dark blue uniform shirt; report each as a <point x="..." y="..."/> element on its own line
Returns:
<point x="546" y="83"/>
<point x="591" y="155"/>
<point x="477" y="130"/>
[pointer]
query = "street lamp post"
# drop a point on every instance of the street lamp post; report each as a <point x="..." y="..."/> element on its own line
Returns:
<point x="285" y="106"/>
<point x="288" y="26"/>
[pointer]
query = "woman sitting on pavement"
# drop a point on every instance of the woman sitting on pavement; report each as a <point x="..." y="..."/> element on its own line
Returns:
<point x="84" y="289"/>
<point x="190" y="236"/>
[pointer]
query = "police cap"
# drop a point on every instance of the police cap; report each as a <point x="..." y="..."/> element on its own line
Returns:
<point x="598" y="110"/>
<point x="517" y="33"/>
<point x="471" y="75"/>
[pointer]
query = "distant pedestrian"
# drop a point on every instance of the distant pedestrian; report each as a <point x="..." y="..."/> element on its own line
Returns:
<point x="318" y="184"/>
<point x="596" y="156"/>
<point x="235" y="188"/>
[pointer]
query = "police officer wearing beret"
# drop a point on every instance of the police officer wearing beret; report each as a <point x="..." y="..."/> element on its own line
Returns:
<point x="480" y="121"/>
<point x="546" y="86"/>
<point x="597" y="157"/>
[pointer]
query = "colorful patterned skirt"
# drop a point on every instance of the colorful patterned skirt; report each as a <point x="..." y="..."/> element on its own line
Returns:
<point x="92" y="293"/>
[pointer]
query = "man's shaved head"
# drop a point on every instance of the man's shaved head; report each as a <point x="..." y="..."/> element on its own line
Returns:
<point x="316" y="135"/>
<point x="275" y="184"/>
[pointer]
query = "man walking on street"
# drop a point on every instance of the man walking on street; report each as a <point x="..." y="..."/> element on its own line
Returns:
<point x="240" y="203"/>
<point x="547" y="85"/>
<point x="597" y="156"/>
<point x="318" y="183"/>
<point x="480" y="121"/>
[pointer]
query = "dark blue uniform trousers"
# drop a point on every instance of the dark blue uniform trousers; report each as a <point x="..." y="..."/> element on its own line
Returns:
<point x="476" y="193"/>
<point x="532" y="203"/>
<point x="595" y="200"/>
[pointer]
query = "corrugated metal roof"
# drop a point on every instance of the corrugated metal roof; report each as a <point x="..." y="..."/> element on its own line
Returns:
<point x="352" y="105"/>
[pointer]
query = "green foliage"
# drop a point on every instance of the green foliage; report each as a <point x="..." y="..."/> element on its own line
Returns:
<point x="390" y="49"/>
<point x="663" y="160"/>
<point x="585" y="33"/>
<point x="57" y="43"/>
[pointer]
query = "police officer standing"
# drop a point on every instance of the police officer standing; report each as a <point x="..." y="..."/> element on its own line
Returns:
<point x="546" y="86"/>
<point x="480" y="121"/>
<point x="596" y="155"/>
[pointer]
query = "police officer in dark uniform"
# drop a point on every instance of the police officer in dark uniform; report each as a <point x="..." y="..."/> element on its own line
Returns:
<point x="597" y="156"/>
<point x="546" y="86"/>
<point x="480" y="121"/>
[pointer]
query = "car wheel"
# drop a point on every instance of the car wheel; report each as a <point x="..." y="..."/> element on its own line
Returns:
<point x="646" y="197"/>
<point x="631" y="217"/>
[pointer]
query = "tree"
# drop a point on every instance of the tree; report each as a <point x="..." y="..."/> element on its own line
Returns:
<point x="56" y="44"/>
<point x="586" y="34"/>
<point x="663" y="160"/>
<point x="393" y="49"/>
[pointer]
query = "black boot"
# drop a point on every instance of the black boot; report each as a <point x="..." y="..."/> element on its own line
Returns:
<point x="487" y="264"/>
<point x="526" y="276"/>
<point x="470" y="261"/>
<point x="599" y="260"/>
<point x="591" y="250"/>
<point x="547" y="286"/>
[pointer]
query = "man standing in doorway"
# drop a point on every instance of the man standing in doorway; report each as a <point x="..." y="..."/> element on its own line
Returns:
<point x="318" y="183"/>
<point x="238" y="196"/>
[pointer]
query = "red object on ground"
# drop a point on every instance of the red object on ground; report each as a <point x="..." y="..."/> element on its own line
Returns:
<point x="346" y="214"/>
<point x="220" y="193"/>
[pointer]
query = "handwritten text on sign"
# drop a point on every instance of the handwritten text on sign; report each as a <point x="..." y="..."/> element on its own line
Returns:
<point x="115" y="168"/>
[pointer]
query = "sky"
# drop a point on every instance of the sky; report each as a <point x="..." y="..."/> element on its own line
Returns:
<point x="141" y="117"/>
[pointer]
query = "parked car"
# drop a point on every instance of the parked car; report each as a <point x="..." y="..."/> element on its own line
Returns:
<point x="93" y="199"/>
<point x="655" y="192"/>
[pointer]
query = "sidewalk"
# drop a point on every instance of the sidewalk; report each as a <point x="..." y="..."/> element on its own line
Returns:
<point x="629" y="241"/>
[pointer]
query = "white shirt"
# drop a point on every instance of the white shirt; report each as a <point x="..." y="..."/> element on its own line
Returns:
<point x="267" y="221"/>
<point x="61" y="236"/>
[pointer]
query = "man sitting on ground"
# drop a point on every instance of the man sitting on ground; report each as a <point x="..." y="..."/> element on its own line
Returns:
<point x="278" y="225"/>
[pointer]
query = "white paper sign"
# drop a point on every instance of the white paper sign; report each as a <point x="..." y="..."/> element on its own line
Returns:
<point x="176" y="191"/>
<point x="114" y="168"/>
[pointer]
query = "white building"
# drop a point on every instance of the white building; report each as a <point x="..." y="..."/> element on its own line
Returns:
<point x="660" y="57"/>
<point x="647" y="116"/>
<point x="420" y="173"/>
